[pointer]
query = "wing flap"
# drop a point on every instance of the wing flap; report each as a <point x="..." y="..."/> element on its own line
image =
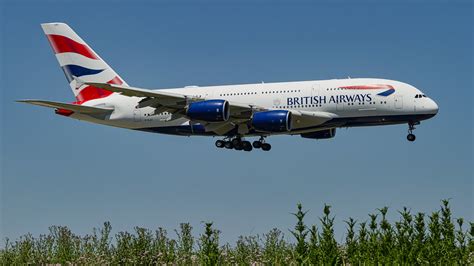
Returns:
<point x="220" y="128"/>
<point x="305" y="118"/>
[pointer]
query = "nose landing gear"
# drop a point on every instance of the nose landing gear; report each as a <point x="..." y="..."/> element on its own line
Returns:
<point x="411" y="126"/>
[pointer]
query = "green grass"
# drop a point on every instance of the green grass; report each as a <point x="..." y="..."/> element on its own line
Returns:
<point x="418" y="238"/>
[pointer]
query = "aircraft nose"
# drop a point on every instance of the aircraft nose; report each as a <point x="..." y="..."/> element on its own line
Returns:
<point x="432" y="107"/>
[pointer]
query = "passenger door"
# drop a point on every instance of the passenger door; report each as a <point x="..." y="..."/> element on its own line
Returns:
<point x="398" y="102"/>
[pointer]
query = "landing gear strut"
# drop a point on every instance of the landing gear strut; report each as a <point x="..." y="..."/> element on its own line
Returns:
<point x="411" y="126"/>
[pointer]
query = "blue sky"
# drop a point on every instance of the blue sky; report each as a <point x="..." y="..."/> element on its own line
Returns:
<point x="56" y="170"/>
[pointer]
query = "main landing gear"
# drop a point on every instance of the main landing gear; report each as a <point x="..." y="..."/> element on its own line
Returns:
<point x="411" y="126"/>
<point x="238" y="144"/>
<point x="261" y="144"/>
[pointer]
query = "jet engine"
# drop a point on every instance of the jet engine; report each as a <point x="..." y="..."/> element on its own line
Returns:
<point x="210" y="111"/>
<point x="272" y="121"/>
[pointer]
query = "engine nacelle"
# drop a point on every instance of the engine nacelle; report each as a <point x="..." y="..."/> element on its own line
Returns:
<point x="323" y="134"/>
<point x="272" y="121"/>
<point x="210" y="110"/>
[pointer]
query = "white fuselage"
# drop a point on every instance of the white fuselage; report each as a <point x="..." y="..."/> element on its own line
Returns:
<point x="352" y="102"/>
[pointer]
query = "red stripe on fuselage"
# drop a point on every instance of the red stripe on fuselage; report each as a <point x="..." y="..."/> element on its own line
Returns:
<point x="367" y="87"/>
<point x="62" y="44"/>
<point x="91" y="92"/>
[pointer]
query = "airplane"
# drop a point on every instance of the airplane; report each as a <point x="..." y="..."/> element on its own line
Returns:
<point x="311" y="109"/>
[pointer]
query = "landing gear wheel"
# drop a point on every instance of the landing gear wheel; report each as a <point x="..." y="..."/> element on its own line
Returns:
<point x="236" y="141"/>
<point x="266" y="146"/>
<point x="228" y="145"/>
<point x="246" y="145"/>
<point x="220" y="143"/>
<point x="239" y="146"/>
<point x="411" y="127"/>
<point x="257" y="144"/>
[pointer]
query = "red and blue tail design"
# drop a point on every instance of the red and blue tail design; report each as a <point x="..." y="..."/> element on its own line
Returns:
<point x="78" y="60"/>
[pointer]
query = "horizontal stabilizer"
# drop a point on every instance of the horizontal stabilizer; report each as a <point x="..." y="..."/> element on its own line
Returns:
<point x="68" y="106"/>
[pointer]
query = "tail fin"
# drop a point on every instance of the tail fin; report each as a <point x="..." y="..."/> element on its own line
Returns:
<point x="78" y="60"/>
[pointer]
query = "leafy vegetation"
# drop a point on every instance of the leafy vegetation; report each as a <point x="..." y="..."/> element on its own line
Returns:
<point x="413" y="239"/>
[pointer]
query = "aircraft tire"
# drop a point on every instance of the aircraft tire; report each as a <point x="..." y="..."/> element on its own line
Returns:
<point x="220" y="143"/>
<point x="228" y="145"/>
<point x="266" y="147"/>
<point x="239" y="146"/>
<point x="246" y="145"/>
<point x="257" y="144"/>
<point x="411" y="137"/>
<point x="236" y="141"/>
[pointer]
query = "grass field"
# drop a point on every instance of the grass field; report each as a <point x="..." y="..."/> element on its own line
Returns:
<point x="416" y="238"/>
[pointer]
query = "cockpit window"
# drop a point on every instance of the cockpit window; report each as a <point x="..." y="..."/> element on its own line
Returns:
<point x="420" y="96"/>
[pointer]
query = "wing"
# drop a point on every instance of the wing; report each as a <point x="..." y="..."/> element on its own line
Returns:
<point x="240" y="113"/>
<point x="169" y="101"/>
<point x="68" y="106"/>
